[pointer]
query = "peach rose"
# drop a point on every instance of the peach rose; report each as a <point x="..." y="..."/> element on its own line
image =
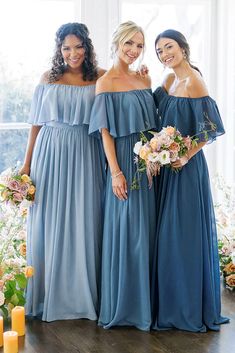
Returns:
<point x="31" y="190"/>
<point x="174" y="147"/>
<point x="230" y="280"/>
<point x="154" y="144"/>
<point x="144" y="152"/>
<point x="229" y="268"/>
<point x="29" y="271"/>
<point x="170" y="131"/>
<point x="1" y="284"/>
<point x="23" y="249"/>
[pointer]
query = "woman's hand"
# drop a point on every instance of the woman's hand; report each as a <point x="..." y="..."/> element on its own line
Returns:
<point x="24" y="170"/>
<point x="143" y="71"/>
<point x="179" y="163"/>
<point x="119" y="185"/>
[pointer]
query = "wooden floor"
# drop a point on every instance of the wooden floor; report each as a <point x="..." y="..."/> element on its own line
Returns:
<point x="84" y="336"/>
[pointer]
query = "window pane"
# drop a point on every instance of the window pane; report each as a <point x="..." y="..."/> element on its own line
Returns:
<point x="27" y="30"/>
<point x="191" y="18"/>
<point x="26" y="47"/>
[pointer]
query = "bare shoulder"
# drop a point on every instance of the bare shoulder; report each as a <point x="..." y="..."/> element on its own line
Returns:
<point x="167" y="81"/>
<point x="147" y="81"/>
<point x="104" y="83"/>
<point x="196" y="86"/>
<point x="101" y="72"/>
<point x="45" y="77"/>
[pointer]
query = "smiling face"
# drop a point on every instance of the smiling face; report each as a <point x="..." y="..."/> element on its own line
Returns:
<point x="169" y="52"/>
<point x="131" y="49"/>
<point x="73" y="51"/>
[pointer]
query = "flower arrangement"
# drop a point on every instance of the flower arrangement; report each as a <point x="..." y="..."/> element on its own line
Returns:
<point x="225" y="221"/>
<point x="16" y="188"/>
<point x="161" y="150"/>
<point x="17" y="193"/>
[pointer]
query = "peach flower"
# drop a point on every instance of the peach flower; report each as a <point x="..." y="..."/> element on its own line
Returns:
<point x="229" y="268"/>
<point x="144" y="152"/>
<point x="169" y="130"/>
<point x="23" y="249"/>
<point x="230" y="280"/>
<point x="31" y="190"/>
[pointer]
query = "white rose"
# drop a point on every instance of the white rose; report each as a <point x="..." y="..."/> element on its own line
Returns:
<point x="153" y="157"/>
<point x="137" y="147"/>
<point x="164" y="157"/>
<point x="2" y="298"/>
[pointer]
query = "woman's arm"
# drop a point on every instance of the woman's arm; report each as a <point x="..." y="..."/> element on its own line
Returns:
<point x="25" y="169"/>
<point x="119" y="183"/>
<point x="179" y="163"/>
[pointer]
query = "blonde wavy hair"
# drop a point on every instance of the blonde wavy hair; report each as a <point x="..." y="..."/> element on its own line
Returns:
<point x="123" y="33"/>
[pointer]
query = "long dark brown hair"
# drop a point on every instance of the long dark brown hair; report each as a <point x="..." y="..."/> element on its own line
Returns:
<point x="89" y="65"/>
<point x="181" y="40"/>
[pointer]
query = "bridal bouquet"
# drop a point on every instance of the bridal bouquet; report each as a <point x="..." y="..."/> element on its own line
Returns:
<point x="15" y="188"/>
<point x="161" y="150"/>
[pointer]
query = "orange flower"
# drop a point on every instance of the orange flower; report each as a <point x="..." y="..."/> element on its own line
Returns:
<point x="29" y="271"/>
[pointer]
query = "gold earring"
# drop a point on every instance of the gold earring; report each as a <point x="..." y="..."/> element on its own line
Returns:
<point x="184" y="55"/>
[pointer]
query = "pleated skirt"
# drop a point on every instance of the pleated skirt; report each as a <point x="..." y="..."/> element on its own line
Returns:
<point x="65" y="224"/>
<point x="186" y="277"/>
<point x="129" y="232"/>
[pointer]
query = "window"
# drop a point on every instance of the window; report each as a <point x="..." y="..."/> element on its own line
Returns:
<point x="26" y="47"/>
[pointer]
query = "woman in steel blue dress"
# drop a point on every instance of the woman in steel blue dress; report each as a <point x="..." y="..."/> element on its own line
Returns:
<point x="66" y="165"/>
<point x="186" y="278"/>
<point x="123" y="107"/>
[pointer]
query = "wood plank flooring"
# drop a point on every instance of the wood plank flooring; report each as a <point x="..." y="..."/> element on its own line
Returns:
<point x="84" y="336"/>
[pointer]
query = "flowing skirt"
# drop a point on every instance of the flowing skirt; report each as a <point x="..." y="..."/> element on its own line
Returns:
<point x="65" y="224"/>
<point x="186" y="278"/>
<point x="129" y="231"/>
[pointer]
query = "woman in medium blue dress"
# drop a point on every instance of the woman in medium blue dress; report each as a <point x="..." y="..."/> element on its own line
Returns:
<point x="65" y="222"/>
<point x="186" y="279"/>
<point x="123" y="107"/>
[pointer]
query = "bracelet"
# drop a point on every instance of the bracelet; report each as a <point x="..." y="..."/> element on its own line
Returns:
<point x="116" y="175"/>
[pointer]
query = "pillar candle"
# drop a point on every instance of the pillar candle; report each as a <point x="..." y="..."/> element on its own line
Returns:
<point x="18" y="320"/>
<point x="10" y="342"/>
<point x="1" y="331"/>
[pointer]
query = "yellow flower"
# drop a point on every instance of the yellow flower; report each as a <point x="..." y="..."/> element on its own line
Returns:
<point x="25" y="178"/>
<point x="29" y="271"/>
<point x="10" y="306"/>
<point x="230" y="280"/>
<point x="31" y="190"/>
<point x="23" y="249"/>
<point x="229" y="268"/>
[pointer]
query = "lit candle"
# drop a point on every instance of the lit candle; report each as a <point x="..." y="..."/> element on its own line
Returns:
<point x="18" y="320"/>
<point x="1" y="331"/>
<point x="10" y="342"/>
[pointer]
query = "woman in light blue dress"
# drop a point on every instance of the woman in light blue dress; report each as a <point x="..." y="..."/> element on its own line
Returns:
<point x="186" y="279"/>
<point x="67" y="167"/>
<point x="123" y="107"/>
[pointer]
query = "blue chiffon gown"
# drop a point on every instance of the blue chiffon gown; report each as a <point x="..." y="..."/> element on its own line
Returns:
<point x="186" y="278"/>
<point x="129" y="226"/>
<point x="65" y="222"/>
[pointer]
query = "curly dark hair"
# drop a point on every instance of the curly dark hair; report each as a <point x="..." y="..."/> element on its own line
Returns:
<point x="89" y="65"/>
<point x="181" y="40"/>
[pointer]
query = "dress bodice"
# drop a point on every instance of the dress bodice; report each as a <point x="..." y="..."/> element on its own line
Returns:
<point x="62" y="103"/>
<point x="191" y="116"/>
